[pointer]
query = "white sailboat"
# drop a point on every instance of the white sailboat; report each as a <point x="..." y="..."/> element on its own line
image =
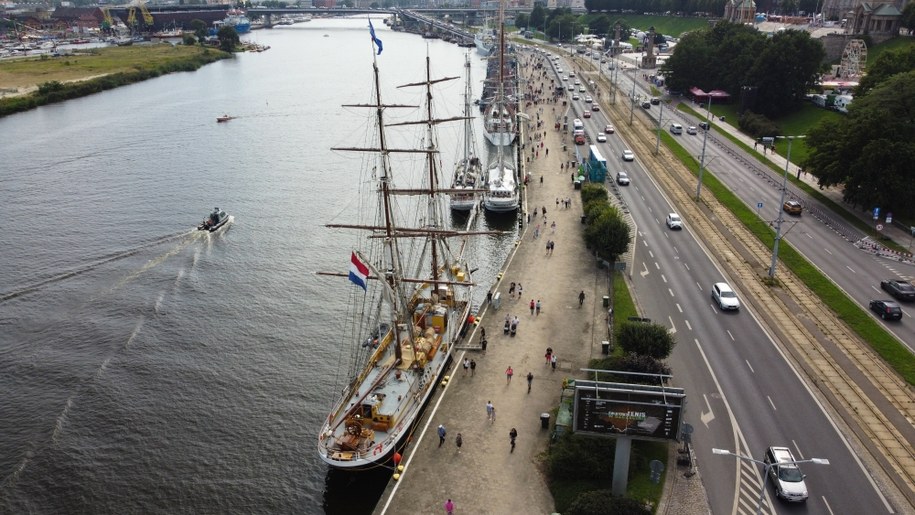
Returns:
<point x="468" y="173"/>
<point x="416" y="298"/>
<point x="499" y="122"/>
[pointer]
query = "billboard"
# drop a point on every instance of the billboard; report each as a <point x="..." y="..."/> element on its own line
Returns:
<point x="645" y="412"/>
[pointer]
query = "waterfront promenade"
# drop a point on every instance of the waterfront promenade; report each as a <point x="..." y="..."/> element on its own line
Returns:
<point x="484" y="476"/>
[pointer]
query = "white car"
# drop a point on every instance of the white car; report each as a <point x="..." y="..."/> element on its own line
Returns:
<point x="691" y="129"/>
<point x="601" y="138"/>
<point x="588" y="99"/>
<point x="622" y="178"/>
<point x="725" y="297"/>
<point x="575" y="96"/>
<point x="673" y="221"/>
<point x="628" y="155"/>
<point x="581" y="89"/>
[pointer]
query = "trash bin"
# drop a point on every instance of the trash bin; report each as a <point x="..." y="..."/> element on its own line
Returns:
<point x="605" y="347"/>
<point x="578" y="187"/>
<point x="606" y="301"/>
<point x="584" y="218"/>
<point x="545" y="420"/>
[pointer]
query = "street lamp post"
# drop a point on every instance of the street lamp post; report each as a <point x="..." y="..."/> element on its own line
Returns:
<point x="766" y="467"/>
<point x="702" y="158"/>
<point x="781" y="202"/>
<point x="632" y="100"/>
<point x="657" y="143"/>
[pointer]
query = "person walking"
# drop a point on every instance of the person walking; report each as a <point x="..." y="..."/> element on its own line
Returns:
<point x="473" y="367"/>
<point x="442" y="432"/>
<point x="493" y="419"/>
<point x="466" y="365"/>
<point x="581" y="298"/>
<point x="489" y="410"/>
<point x="533" y="305"/>
<point x="449" y="507"/>
<point x="520" y="290"/>
<point x="508" y="374"/>
<point x="530" y="379"/>
<point x="538" y="307"/>
<point x="459" y="441"/>
<point x="511" y="437"/>
<point x="548" y="355"/>
<point x="553" y="361"/>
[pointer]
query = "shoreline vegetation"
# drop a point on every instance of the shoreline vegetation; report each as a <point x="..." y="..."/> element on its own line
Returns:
<point x="33" y="82"/>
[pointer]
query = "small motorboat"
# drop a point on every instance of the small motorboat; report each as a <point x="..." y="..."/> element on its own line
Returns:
<point x="217" y="219"/>
<point x="224" y="118"/>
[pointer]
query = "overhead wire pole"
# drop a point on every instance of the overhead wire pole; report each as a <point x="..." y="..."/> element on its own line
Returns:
<point x="632" y="100"/>
<point x="657" y="143"/>
<point x="702" y="157"/>
<point x="781" y="202"/>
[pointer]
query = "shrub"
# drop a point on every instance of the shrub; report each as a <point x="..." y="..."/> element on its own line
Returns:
<point x="758" y="125"/>
<point x="646" y="339"/>
<point x="603" y="502"/>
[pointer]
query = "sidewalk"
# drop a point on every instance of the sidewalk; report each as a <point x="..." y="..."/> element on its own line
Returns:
<point x="484" y="476"/>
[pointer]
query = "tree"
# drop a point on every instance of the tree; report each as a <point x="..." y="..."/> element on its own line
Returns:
<point x="538" y="17"/>
<point x="599" y="25"/>
<point x="523" y="20"/>
<point x="200" y="29"/>
<point x="887" y="65"/>
<point x="603" y="502"/>
<point x="784" y="71"/>
<point x="871" y="152"/>
<point x="228" y="38"/>
<point x="908" y="17"/>
<point x="645" y="339"/>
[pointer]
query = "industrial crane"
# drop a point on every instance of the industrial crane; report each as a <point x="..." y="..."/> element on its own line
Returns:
<point x="139" y="5"/>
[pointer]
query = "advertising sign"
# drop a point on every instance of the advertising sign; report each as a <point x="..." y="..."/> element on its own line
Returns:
<point x="644" y="412"/>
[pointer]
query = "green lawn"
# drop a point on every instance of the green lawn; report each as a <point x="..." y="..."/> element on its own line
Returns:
<point x="891" y="45"/>
<point x="671" y="25"/>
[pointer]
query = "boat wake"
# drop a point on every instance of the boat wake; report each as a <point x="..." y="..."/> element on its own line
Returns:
<point x="42" y="283"/>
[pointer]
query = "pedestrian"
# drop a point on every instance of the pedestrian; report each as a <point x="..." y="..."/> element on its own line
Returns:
<point x="581" y="298"/>
<point x="473" y="367"/>
<point x="553" y="361"/>
<point x="449" y="507"/>
<point x="520" y="289"/>
<point x="538" y="307"/>
<point x="541" y="180"/>
<point x="459" y="441"/>
<point x="530" y="379"/>
<point x="489" y="410"/>
<point x="553" y="227"/>
<point x="483" y="343"/>
<point x="466" y="365"/>
<point x="557" y="202"/>
<point x="511" y="287"/>
<point x="532" y="307"/>
<point x="511" y="437"/>
<point x="544" y="211"/>
<point x="482" y="333"/>
<point x="548" y="355"/>
<point x="493" y="419"/>
<point x="442" y="432"/>
<point x="508" y="374"/>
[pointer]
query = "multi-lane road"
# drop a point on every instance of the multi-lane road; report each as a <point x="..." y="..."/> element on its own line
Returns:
<point x="743" y="391"/>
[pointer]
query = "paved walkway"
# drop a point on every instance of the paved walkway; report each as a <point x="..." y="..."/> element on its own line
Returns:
<point x="484" y="476"/>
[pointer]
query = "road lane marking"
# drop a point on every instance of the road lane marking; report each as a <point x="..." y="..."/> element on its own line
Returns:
<point x="650" y="253"/>
<point x="644" y="273"/>
<point x="663" y="278"/>
<point x="850" y="269"/>
<point x="749" y="366"/>
<point x="678" y="307"/>
<point x="656" y="265"/>
<point x="687" y="267"/>
<point x="706" y="417"/>
<point x="731" y="335"/>
<point x="687" y="325"/>
<point x="771" y="403"/>
<point x="828" y="507"/>
<point x="827" y="251"/>
<point x="673" y="328"/>
<point x="798" y="449"/>
<point x="671" y="292"/>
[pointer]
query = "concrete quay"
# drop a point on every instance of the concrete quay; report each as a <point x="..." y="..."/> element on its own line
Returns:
<point x="484" y="475"/>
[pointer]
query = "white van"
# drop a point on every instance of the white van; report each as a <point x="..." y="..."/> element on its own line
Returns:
<point x="676" y="128"/>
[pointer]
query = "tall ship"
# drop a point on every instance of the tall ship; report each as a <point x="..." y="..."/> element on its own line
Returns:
<point x="485" y="41"/>
<point x="410" y="300"/>
<point x="502" y="195"/>
<point x="468" y="172"/>
<point x="236" y="19"/>
<point x="499" y="114"/>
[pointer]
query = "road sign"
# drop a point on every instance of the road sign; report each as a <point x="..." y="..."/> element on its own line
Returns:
<point x="759" y="205"/>
<point x="876" y="213"/>
<point x="889" y="218"/>
<point x="879" y="227"/>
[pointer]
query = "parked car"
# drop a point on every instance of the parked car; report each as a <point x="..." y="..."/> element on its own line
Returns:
<point x="622" y="178"/>
<point x="673" y="221"/>
<point x="609" y="129"/>
<point x="886" y="309"/>
<point x="785" y="474"/>
<point x="725" y="297"/>
<point x="898" y="288"/>
<point x="646" y="105"/>
<point x="793" y="207"/>
<point x="655" y="101"/>
<point x="691" y="130"/>
<point x="601" y="138"/>
<point x="628" y="155"/>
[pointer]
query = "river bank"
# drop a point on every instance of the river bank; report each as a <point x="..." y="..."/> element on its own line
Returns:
<point x="33" y="82"/>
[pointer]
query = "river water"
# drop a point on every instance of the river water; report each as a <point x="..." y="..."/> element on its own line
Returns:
<point x="146" y="367"/>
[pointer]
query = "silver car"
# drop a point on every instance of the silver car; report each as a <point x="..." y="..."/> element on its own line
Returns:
<point x="725" y="297"/>
<point x="785" y="474"/>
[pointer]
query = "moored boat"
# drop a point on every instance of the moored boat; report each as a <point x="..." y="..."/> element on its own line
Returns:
<point x="468" y="173"/>
<point x="402" y="328"/>
<point x="502" y="186"/>
<point x="214" y="221"/>
<point x="499" y="121"/>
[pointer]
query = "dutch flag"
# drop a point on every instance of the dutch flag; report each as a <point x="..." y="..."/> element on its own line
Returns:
<point x="358" y="271"/>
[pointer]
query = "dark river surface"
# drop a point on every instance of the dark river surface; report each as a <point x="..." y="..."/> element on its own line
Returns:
<point x="146" y="367"/>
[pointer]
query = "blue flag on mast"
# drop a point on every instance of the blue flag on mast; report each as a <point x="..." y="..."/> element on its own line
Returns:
<point x="375" y="39"/>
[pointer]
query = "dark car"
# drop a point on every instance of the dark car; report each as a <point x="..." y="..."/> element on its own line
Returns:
<point x="703" y="125"/>
<point x="887" y="309"/>
<point x="900" y="289"/>
<point x="646" y="105"/>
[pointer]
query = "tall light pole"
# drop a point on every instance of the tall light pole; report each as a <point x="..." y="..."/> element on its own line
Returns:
<point x="632" y="100"/>
<point x="702" y="158"/>
<point x="781" y="202"/>
<point x="766" y="467"/>
<point x="657" y="143"/>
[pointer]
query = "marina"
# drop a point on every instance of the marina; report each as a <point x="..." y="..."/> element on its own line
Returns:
<point x="151" y="367"/>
